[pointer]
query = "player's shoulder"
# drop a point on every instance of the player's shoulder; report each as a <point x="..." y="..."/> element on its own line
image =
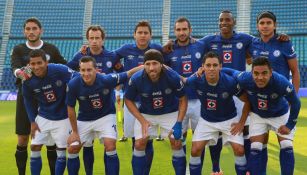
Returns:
<point x="49" y="45"/>
<point x="208" y="38"/>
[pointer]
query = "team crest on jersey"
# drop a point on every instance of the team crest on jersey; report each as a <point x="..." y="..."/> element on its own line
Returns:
<point x="50" y="96"/>
<point x="276" y="53"/>
<point x="274" y="96"/>
<point x="227" y="56"/>
<point x="211" y="104"/>
<point x="109" y="64"/>
<point x="225" y="95"/>
<point x="239" y="45"/>
<point x="197" y="55"/>
<point x="157" y="102"/>
<point x="96" y="103"/>
<point x="105" y="91"/>
<point x="59" y="83"/>
<point x="168" y="91"/>
<point x="47" y="57"/>
<point x="186" y="67"/>
<point x="262" y="104"/>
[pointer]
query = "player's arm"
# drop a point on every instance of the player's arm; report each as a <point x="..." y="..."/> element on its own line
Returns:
<point x="295" y="106"/>
<point x="136" y="113"/>
<point x="237" y="128"/>
<point x="134" y="70"/>
<point x="295" y="73"/>
<point x="74" y="136"/>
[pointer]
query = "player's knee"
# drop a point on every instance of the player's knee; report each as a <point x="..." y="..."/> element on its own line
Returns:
<point x="23" y="140"/>
<point x="140" y="144"/>
<point x="238" y="150"/>
<point x="74" y="148"/>
<point x="36" y="147"/>
<point x="110" y="147"/>
<point x="196" y="151"/>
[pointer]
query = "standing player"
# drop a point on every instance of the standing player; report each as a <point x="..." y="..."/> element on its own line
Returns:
<point x="185" y="60"/>
<point x="270" y="95"/>
<point x="281" y="55"/>
<point x="49" y="121"/>
<point x="106" y="62"/>
<point x="218" y="113"/>
<point x="133" y="55"/>
<point x="162" y="103"/>
<point x="19" y="59"/>
<point x="96" y="116"/>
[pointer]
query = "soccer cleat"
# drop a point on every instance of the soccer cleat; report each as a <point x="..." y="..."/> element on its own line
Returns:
<point x="217" y="173"/>
<point x="123" y="139"/>
<point x="159" y="138"/>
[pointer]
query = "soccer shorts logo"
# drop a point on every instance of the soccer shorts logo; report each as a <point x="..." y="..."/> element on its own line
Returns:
<point x="262" y="104"/>
<point x="157" y="102"/>
<point x="211" y="104"/>
<point x="186" y="67"/>
<point x="96" y="103"/>
<point x="227" y="56"/>
<point x="50" y="96"/>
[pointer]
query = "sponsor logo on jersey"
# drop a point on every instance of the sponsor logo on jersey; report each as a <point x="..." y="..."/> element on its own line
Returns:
<point x="50" y="96"/>
<point x="145" y="95"/>
<point x="186" y="67"/>
<point x="214" y="46"/>
<point x="227" y="56"/>
<point x="157" y="102"/>
<point x="130" y="57"/>
<point x="211" y="104"/>
<point x="199" y="92"/>
<point x="289" y="89"/>
<point x="227" y="46"/>
<point x="262" y="104"/>
<point x="156" y="93"/>
<point x="82" y="97"/>
<point x="96" y="103"/>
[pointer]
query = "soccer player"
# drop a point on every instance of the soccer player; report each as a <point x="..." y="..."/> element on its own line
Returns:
<point x="271" y="95"/>
<point x="162" y="103"/>
<point x="215" y="91"/>
<point x="281" y="55"/>
<point x="33" y="30"/>
<point x="133" y="55"/>
<point x="185" y="59"/>
<point x="96" y="116"/>
<point x="49" y="121"/>
<point x="106" y="62"/>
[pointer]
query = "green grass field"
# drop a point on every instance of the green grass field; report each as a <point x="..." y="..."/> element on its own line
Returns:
<point x="162" y="158"/>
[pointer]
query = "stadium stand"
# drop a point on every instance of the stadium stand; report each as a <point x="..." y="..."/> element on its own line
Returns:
<point x="2" y="8"/>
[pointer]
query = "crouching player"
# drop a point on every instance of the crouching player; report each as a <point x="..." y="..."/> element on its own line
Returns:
<point x="162" y="103"/>
<point x="270" y="95"/>
<point x="47" y="86"/>
<point x="215" y="91"/>
<point x="96" y="116"/>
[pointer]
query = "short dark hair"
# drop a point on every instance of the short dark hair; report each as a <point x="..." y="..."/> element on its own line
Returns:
<point x="261" y="61"/>
<point x="34" y="20"/>
<point x="182" y="19"/>
<point x="211" y="54"/>
<point x="38" y="53"/>
<point x="95" y="28"/>
<point x="143" y="23"/>
<point x="228" y="11"/>
<point x="86" y="59"/>
<point x="266" y="14"/>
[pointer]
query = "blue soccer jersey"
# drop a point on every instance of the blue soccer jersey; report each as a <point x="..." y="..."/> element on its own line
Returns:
<point x="186" y="60"/>
<point x="159" y="97"/>
<point x="231" y="51"/>
<point x="49" y="92"/>
<point x="276" y="51"/>
<point x="217" y="103"/>
<point x="95" y="101"/>
<point x="133" y="56"/>
<point x="272" y="100"/>
<point x="107" y="62"/>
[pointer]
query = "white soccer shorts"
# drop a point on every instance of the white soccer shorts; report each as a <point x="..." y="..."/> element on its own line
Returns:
<point x="192" y="115"/>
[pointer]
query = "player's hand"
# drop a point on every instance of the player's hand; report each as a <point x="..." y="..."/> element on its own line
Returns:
<point x="24" y="73"/>
<point x="83" y="49"/>
<point x="249" y="60"/>
<point x="236" y="128"/>
<point x="284" y="130"/>
<point x="283" y="37"/>
<point x="145" y="125"/>
<point x="168" y="47"/>
<point x="34" y="128"/>
<point x="73" y="137"/>
<point x="200" y="71"/>
<point x="118" y="101"/>
<point x="177" y="130"/>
